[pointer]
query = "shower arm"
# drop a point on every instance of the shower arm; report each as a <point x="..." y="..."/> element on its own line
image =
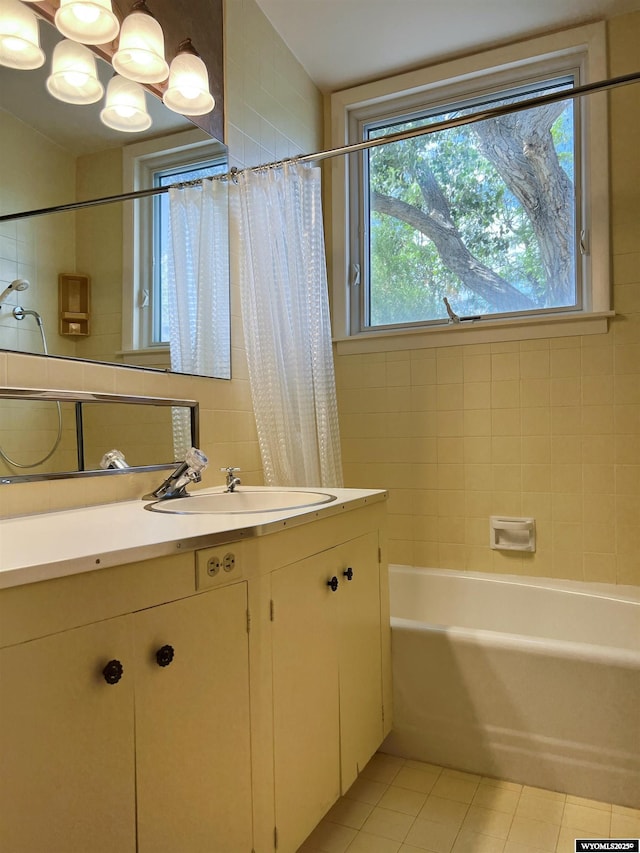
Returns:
<point x="20" y="313"/>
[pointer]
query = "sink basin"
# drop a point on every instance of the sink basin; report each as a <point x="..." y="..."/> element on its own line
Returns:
<point x="241" y="501"/>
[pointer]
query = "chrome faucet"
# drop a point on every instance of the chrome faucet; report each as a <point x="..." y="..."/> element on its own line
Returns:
<point x="187" y="472"/>
<point x="232" y="480"/>
<point x="114" y="459"/>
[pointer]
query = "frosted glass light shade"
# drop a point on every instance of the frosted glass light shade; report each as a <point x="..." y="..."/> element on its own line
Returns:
<point x="140" y="55"/>
<point x="125" y="107"/>
<point x="73" y="77"/>
<point x="19" y="36"/>
<point x="87" y="21"/>
<point x="188" y="90"/>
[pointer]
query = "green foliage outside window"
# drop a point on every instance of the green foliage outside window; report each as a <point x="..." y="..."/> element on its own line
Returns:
<point x="482" y="214"/>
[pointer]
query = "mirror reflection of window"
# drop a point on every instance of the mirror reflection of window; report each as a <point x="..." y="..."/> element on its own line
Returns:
<point x="177" y="157"/>
<point x="162" y="247"/>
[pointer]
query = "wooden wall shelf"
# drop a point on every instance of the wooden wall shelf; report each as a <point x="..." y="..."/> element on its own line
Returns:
<point x="74" y="302"/>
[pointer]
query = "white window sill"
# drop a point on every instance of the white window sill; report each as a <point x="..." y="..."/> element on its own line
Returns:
<point x="158" y="357"/>
<point x="479" y="332"/>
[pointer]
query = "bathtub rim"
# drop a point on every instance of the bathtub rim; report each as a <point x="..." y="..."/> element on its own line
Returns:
<point x="612" y="592"/>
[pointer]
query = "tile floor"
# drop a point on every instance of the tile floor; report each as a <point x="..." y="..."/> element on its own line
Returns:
<point x="402" y="806"/>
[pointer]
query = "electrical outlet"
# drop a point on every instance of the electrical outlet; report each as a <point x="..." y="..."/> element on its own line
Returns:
<point x="217" y="567"/>
<point x="213" y="566"/>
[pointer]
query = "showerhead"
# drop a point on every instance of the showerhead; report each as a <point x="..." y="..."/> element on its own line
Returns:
<point x="16" y="284"/>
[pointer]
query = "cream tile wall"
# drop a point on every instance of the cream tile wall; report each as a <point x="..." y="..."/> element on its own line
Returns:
<point x="142" y="433"/>
<point x="88" y="241"/>
<point x="99" y="253"/>
<point x="273" y="110"/>
<point x="547" y="428"/>
<point x="29" y="432"/>
<point x="37" y="248"/>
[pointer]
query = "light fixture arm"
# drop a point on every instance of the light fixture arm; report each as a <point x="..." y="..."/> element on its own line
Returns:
<point x="141" y="6"/>
<point x="186" y="46"/>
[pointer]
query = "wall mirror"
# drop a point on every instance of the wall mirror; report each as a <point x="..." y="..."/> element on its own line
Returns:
<point x="93" y="275"/>
<point x="47" y="435"/>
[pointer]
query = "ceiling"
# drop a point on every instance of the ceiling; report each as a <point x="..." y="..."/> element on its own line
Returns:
<point x="341" y="43"/>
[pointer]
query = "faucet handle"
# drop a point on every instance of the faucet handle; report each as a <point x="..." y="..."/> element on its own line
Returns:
<point x="196" y="459"/>
<point x="232" y="480"/>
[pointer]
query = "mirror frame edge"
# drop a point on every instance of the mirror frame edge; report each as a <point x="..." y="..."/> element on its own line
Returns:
<point x="58" y="396"/>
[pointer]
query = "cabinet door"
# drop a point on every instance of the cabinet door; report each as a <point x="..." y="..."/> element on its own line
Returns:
<point x="66" y="743"/>
<point x="192" y="725"/>
<point x="360" y="665"/>
<point x="306" y="703"/>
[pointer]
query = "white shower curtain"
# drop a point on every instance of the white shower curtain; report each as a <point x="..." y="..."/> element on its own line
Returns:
<point x="285" y="314"/>
<point x="198" y="287"/>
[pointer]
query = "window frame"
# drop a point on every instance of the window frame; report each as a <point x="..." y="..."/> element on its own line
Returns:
<point x="582" y="51"/>
<point x="403" y="109"/>
<point x="141" y="162"/>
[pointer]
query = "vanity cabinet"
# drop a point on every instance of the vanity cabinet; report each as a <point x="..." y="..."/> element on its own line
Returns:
<point x="327" y="680"/>
<point x="216" y="700"/>
<point x="67" y="744"/>
<point x="193" y="752"/>
<point x="157" y="760"/>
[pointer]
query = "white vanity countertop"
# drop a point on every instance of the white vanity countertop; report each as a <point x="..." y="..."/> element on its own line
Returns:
<point x="54" y="544"/>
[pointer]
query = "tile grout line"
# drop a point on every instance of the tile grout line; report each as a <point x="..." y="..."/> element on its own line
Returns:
<point x="513" y="817"/>
<point x="390" y="783"/>
<point x="469" y="807"/>
<point x="564" y="808"/>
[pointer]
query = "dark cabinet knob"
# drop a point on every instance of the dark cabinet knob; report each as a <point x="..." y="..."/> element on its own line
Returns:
<point x="113" y="672"/>
<point x="333" y="583"/>
<point x="164" y="655"/>
<point x="348" y="574"/>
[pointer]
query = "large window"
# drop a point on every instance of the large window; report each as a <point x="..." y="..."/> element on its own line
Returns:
<point x="482" y="215"/>
<point x="492" y="223"/>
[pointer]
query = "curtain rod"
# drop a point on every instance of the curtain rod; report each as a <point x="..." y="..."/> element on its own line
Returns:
<point x="482" y="115"/>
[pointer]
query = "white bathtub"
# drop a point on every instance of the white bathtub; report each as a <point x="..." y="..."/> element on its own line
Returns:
<point x="537" y="681"/>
